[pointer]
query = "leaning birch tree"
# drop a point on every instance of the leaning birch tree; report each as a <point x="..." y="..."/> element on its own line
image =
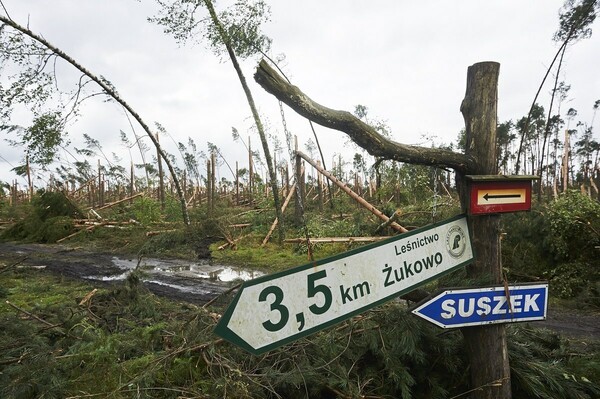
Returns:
<point x="237" y="30"/>
<point x="47" y="51"/>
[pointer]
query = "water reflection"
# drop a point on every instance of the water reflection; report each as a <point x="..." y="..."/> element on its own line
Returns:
<point x="186" y="269"/>
<point x="184" y="276"/>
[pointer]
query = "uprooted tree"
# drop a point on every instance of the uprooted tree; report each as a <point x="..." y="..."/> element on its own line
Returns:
<point x="487" y="346"/>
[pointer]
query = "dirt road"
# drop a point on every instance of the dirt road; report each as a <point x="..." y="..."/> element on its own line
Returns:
<point x="198" y="282"/>
<point x="195" y="282"/>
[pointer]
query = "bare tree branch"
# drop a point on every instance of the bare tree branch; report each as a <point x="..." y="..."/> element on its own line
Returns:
<point x="362" y="134"/>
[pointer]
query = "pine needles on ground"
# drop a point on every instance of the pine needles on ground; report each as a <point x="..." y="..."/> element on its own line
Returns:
<point x="123" y="342"/>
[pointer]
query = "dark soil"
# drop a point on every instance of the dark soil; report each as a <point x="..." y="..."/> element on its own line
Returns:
<point x="93" y="266"/>
<point x="82" y="264"/>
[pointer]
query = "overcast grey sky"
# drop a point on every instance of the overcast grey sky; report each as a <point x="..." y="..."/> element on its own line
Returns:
<point x="405" y="60"/>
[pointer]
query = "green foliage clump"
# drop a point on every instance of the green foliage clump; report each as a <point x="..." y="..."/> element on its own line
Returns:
<point x="557" y="242"/>
<point x="49" y="204"/>
<point x="50" y="219"/>
<point x="574" y="225"/>
<point x="544" y="365"/>
<point x="571" y="278"/>
<point x="146" y="210"/>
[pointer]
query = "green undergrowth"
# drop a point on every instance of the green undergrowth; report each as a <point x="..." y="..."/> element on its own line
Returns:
<point x="559" y="242"/>
<point x="124" y="342"/>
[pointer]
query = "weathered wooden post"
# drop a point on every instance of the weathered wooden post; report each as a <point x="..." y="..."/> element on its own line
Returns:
<point x="486" y="345"/>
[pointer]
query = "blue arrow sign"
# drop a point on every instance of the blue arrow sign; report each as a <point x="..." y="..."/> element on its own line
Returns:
<point x="480" y="306"/>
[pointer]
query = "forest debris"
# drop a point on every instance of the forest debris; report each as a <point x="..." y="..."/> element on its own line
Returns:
<point x="231" y="243"/>
<point x="5" y="269"/>
<point x="90" y="228"/>
<point x="93" y="212"/>
<point x="88" y="297"/>
<point x="31" y="315"/>
<point x="391" y="220"/>
<point x="332" y="240"/>
<point x="120" y="201"/>
<point x="157" y="232"/>
<point x="360" y="200"/>
<point x="283" y="207"/>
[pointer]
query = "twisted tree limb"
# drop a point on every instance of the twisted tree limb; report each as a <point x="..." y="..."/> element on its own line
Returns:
<point x="362" y="134"/>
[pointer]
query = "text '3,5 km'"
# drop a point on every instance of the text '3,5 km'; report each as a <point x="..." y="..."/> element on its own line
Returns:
<point x="277" y="309"/>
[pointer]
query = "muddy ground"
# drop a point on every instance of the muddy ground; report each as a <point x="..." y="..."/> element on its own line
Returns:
<point x="195" y="282"/>
<point x="199" y="282"/>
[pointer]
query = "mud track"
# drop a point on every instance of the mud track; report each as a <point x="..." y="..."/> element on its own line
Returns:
<point x="199" y="283"/>
<point x="195" y="282"/>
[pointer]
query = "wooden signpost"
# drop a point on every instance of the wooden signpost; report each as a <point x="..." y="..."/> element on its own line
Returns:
<point x="486" y="346"/>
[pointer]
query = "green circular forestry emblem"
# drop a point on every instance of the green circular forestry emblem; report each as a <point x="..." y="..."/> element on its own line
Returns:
<point x="456" y="242"/>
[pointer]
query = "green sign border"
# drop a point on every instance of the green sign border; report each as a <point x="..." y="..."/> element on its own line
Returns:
<point x="224" y="332"/>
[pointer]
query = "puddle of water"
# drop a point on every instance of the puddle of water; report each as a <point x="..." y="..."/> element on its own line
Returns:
<point x="197" y="273"/>
<point x="181" y="268"/>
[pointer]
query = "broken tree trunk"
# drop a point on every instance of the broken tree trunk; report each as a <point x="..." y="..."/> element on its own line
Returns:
<point x="352" y="194"/>
<point x="362" y="134"/>
<point x="486" y="345"/>
<point x="283" y="207"/>
<point x="120" y="201"/>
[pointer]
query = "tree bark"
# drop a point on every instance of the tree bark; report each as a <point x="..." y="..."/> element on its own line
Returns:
<point x="486" y="345"/>
<point x="257" y="121"/>
<point x="362" y="134"/>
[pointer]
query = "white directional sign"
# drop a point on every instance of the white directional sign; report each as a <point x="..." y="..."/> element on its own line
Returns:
<point x="479" y="306"/>
<point x="273" y="310"/>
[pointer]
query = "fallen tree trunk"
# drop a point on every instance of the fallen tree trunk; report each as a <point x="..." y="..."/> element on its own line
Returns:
<point x="334" y="240"/>
<point x="119" y="201"/>
<point x="364" y="203"/>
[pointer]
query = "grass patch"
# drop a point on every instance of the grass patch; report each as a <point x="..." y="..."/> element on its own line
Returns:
<point x="124" y="342"/>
